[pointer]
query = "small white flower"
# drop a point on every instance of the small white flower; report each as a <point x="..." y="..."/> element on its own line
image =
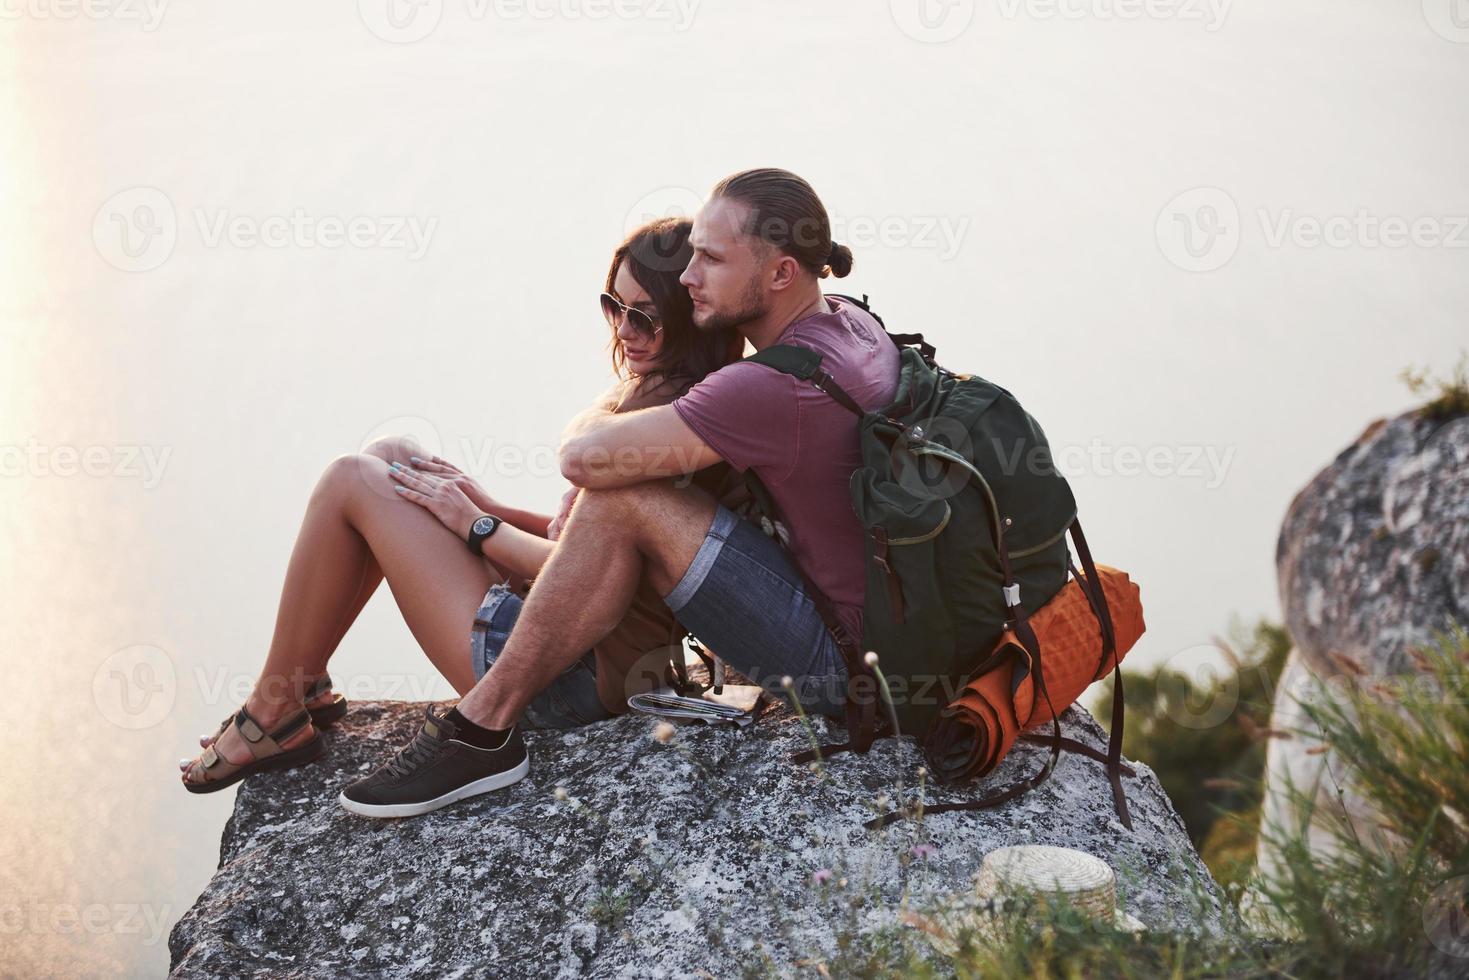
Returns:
<point x="787" y="681"/>
<point x="871" y="658"/>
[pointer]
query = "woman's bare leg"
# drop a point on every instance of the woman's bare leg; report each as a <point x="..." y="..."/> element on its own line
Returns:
<point x="357" y="530"/>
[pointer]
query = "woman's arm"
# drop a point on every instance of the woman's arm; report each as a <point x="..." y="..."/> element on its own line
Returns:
<point x="512" y="549"/>
<point x="517" y="551"/>
<point x="526" y="520"/>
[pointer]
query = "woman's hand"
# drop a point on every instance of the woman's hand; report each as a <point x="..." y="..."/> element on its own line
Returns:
<point x="445" y="499"/>
<point x="553" y="531"/>
<point x="445" y="470"/>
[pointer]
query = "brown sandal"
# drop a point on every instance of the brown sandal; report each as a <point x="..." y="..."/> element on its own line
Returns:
<point x="264" y="746"/>
<point x="324" y="716"/>
<point x="328" y="714"/>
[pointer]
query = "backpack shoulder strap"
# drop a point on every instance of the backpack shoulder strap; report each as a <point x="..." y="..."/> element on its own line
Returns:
<point x="798" y="362"/>
<point x="805" y="364"/>
<point x="900" y="340"/>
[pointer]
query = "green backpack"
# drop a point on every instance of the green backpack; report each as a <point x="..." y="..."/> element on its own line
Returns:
<point x="966" y="520"/>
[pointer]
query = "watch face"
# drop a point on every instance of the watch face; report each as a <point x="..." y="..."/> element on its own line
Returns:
<point x="483" y="525"/>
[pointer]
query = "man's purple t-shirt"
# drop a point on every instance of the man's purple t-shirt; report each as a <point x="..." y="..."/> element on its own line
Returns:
<point x="802" y="443"/>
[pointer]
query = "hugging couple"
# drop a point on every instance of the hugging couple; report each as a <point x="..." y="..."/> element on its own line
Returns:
<point x="650" y="540"/>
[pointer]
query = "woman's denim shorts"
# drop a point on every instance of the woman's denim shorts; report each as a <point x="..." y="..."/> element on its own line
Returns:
<point x="570" y="702"/>
<point x="742" y="597"/>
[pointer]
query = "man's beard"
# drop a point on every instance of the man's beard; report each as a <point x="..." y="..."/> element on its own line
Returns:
<point x="750" y="309"/>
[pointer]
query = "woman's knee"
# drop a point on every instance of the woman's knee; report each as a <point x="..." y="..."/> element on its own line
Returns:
<point x="399" y="448"/>
<point x="352" y="473"/>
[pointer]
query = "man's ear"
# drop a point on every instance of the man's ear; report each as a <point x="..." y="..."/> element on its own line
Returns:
<point x="785" y="273"/>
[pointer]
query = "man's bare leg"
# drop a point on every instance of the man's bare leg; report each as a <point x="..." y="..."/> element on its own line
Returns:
<point x="612" y="538"/>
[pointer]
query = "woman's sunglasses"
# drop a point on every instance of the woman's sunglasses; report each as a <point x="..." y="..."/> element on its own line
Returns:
<point x="615" y="311"/>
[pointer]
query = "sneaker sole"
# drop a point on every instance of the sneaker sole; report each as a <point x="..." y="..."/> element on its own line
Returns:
<point x="486" y="785"/>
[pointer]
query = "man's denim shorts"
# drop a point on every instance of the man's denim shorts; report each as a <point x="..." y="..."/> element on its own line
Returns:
<point x="745" y="600"/>
<point x="742" y="597"/>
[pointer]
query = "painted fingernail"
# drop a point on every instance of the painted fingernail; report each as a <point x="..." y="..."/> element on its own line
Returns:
<point x="401" y="489"/>
<point x="414" y="459"/>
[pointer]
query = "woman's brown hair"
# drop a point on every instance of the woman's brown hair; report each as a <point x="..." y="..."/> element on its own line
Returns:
<point x="656" y="255"/>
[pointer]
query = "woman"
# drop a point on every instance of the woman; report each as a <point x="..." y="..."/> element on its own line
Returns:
<point x="361" y="528"/>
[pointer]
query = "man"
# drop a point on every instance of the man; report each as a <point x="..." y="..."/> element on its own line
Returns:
<point x="761" y="245"/>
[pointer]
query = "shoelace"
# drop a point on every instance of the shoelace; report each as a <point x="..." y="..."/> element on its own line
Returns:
<point x="424" y="748"/>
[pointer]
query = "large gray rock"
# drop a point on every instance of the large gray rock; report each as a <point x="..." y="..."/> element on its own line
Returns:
<point x="1373" y="558"/>
<point x="666" y="860"/>
<point x="1373" y="555"/>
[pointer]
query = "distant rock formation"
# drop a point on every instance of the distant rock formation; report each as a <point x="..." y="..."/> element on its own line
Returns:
<point x="666" y="860"/>
<point x="1374" y="552"/>
<point x="1373" y="558"/>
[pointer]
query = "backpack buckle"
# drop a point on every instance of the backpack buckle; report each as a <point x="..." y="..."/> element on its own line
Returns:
<point x="1012" y="594"/>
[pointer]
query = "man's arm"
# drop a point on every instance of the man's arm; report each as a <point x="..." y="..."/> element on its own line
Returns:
<point x="601" y="449"/>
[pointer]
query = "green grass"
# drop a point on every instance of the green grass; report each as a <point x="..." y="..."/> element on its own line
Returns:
<point x="1447" y="397"/>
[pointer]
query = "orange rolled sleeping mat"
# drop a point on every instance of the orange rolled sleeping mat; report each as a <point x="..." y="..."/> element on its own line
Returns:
<point x="980" y="726"/>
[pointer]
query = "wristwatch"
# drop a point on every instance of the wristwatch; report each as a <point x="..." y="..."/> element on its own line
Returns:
<point x="482" y="528"/>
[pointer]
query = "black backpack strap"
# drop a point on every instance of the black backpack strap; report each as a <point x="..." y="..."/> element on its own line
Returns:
<point x="1093" y="587"/>
<point x="861" y="705"/>
<point x="805" y="364"/>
